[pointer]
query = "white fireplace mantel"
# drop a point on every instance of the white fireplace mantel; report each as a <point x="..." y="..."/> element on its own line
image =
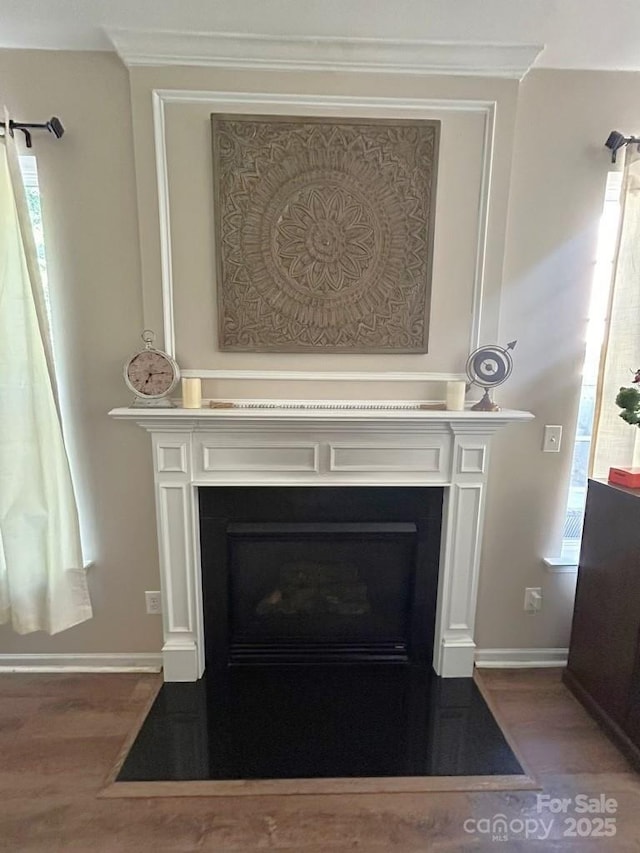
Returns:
<point x="352" y="446"/>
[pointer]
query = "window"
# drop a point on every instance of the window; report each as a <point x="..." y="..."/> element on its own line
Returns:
<point x="29" y="169"/>
<point x="595" y="333"/>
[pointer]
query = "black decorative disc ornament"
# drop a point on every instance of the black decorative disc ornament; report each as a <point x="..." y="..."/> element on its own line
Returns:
<point x="488" y="367"/>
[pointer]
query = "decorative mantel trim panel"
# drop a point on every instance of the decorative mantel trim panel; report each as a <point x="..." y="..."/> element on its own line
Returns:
<point x="323" y="447"/>
<point x="333" y="106"/>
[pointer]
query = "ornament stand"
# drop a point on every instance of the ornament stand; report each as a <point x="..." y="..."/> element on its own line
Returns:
<point x="486" y="404"/>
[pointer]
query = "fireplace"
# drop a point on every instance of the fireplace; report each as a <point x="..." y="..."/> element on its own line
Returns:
<point x="292" y="445"/>
<point x="319" y="575"/>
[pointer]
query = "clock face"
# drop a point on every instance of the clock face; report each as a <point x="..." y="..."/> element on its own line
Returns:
<point x="151" y="374"/>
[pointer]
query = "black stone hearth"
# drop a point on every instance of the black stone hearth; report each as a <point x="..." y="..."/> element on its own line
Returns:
<point x="319" y="575"/>
<point x="258" y="722"/>
<point x="319" y="608"/>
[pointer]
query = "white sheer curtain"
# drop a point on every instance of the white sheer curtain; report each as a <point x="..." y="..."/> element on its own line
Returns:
<point x="43" y="584"/>
<point x="617" y="443"/>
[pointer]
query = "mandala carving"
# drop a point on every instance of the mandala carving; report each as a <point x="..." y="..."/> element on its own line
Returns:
<point x="324" y="233"/>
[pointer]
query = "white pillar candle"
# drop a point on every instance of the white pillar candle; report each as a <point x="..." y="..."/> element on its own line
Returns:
<point x="191" y="393"/>
<point x="455" y="396"/>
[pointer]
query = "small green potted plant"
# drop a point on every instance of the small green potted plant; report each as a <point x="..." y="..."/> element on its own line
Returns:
<point x="629" y="401"/>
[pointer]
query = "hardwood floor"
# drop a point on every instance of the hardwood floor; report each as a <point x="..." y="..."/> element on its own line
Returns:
<point x="60" y="735"/>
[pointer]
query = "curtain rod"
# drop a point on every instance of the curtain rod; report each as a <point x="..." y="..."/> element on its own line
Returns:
<point x="54" y="125"/>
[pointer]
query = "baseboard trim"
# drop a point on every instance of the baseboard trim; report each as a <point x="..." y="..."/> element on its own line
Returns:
<point x="98" y="662"/>
<point x="520" y="658"/>
<point x="151" y="662"/>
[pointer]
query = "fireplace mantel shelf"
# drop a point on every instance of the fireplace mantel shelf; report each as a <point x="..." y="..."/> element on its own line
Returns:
<point x="356" y="445"/>
<point x="207" y="418"/>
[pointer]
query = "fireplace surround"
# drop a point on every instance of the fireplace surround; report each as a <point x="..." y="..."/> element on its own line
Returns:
<point x="324" y="447"/>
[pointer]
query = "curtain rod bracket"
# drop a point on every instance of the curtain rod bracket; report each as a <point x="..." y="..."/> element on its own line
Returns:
<point x="616" y="141"/>
<point x="54" y="125"/>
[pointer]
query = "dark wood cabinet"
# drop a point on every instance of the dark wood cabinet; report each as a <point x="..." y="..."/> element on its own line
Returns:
<point x="603" y="669"/>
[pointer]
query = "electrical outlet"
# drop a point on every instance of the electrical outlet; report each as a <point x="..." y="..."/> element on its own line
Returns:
<point x="154" y="602"/>
<point x="552" y="439"/>
<point x="533" y="599"/>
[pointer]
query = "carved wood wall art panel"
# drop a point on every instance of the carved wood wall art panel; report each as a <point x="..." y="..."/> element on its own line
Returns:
<point x="324" y="233"/>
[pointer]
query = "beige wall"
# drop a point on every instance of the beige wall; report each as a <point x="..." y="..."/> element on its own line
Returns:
<point x="557" y="191"/>
<point x="89" y="209"/>
<point x="105" y="275"/>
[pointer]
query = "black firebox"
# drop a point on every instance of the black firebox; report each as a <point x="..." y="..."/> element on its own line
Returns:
<point x="319" y="575"/>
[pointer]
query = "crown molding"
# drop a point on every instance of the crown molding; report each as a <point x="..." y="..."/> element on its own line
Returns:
<point x="323" y="53"/>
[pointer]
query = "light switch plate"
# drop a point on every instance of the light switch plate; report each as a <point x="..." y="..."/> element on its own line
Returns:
<point x="552" y="439"/>
<point x="533" y="599"/>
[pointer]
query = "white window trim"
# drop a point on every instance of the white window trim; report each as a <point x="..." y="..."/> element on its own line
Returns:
<point x="561" y="565"/>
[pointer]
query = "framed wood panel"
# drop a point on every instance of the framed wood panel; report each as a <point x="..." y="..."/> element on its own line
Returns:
<point x="324" y="233"/>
